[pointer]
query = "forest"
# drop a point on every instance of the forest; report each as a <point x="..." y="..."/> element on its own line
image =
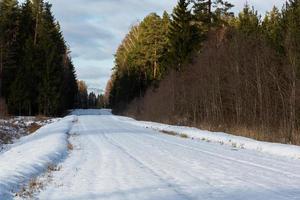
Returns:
<point x="205" y="66"/>
<point x="37" y="75"/>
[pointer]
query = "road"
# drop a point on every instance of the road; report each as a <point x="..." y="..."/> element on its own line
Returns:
<point x="113" y="159"/>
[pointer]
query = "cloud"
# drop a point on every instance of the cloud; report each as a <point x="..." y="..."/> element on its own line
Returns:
<point x="261" y="5"/>
<point x="95" y="28"/>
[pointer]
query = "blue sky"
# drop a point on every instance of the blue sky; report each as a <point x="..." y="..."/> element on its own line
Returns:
<point x="94" y="29"/>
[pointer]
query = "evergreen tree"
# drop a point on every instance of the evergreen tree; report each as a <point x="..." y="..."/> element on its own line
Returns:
<point x="248" y="21"/>
<point x="92" y="100"/>
<point x="292" y="22"/>
<point x="222" y="14"/>
<point x="45" y="81"/>
<point x="273" y="29"/>
<point x="22" y="99"/>
<point x="203" y="11"/>
<point x="82" y="95"/>
<point x="69" y="86"/>
<point x="9" y="17"/>
<point x="52" y="48"/>
<point x="153" y="43"/>
<point x="183" y="35"/>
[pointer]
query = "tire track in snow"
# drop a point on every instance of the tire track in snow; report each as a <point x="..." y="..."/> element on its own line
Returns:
<point x="132" y="133"/>
<point x="234" y="178"/>
<point x="290" y="175"/>
<point x="170" y="185"/>
<point x="238" y="161"/>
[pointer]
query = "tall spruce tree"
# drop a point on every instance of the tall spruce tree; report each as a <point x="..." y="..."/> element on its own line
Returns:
<point x="53" y="49"/>
<point x="202" y="10"/>
<point x="45" y="81"/>
<point x="222" y="14"/>
<point x="273" y="29"/>
<point x="183" y="35"/>
<point x="23" y="92"/>
<point x="69" y="86"/>
<point x="249" y="21"/>
<point x="22" y="99"/>
<point x="211" y="13"/>
<point x="9" y="29"/>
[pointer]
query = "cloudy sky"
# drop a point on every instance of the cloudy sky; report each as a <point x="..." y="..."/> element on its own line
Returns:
<point x="94" y="29"/>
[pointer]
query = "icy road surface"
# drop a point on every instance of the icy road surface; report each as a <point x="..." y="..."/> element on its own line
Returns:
<point x="116" y="160"/>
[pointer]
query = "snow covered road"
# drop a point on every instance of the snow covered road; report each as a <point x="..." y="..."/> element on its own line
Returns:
<point x="115" y="159"/>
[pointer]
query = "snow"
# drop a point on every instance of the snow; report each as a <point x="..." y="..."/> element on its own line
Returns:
<point x="118" y="158"/>
<point x="12" y="128"/>
<point x="91" y="112"/>
<point x="276" y="149"/>
<point x="31" y="155"/>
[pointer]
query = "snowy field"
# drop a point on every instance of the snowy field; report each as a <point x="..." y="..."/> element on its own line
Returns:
<point x="118" y="158"/>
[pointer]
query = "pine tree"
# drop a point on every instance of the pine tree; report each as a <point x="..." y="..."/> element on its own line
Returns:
<point x="52" y="48"/>
<point x="45" y="81"/>
<point x="24" y="91"/>
<point x="222" y="14"/>
<point x="22" y="98"/>
<point x="202" y="10"/>
<point x="69" y="86"/>
<point x="9" y="29"/>
<point x="153" y="43"/>
<point x="183" y="36"/>
<point x="248" y="21"/>
<point x="82" y="95"/>
<point x="273" y="29"/>
<point x="165" y="65"/>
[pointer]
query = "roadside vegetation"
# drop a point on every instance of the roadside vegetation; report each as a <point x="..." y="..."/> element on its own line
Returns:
<point x="204" y="66"/>
<point x="13" y="128"/>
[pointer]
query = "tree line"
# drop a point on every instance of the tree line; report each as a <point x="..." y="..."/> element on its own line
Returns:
<point x="204" y="66"/>
<point x="89" y="100"/>
<point x="37" y="75"/>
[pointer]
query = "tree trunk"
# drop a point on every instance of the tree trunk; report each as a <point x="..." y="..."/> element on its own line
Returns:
<point x="1" y="68"/>
<point x="36" y="25"/>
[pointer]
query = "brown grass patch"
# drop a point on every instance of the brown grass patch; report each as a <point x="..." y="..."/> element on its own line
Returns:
<point x="183" y="135"/>
<point x="169" y="132"/>
<point x="41" y="117"/>
<point x="34" y="186"/>
<point x="33" y="128"/>
<point x="70" y="147"/>
<point x="53" y="168"/>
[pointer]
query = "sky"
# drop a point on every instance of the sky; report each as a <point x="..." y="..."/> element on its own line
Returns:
<point x="94" y="29"/>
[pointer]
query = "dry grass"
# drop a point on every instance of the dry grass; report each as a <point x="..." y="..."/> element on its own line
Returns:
<point x="53" y="168"/>
<point x="70" y="147"/>
<point x="34" y="186"/>
<point x="169" y="132"/>
<point x="183" y="135"/>
<point x="37" y="184"/>
<point x="41" y="117"/>
<point x="33" y="128"/>
<point x="252" y="132"/>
